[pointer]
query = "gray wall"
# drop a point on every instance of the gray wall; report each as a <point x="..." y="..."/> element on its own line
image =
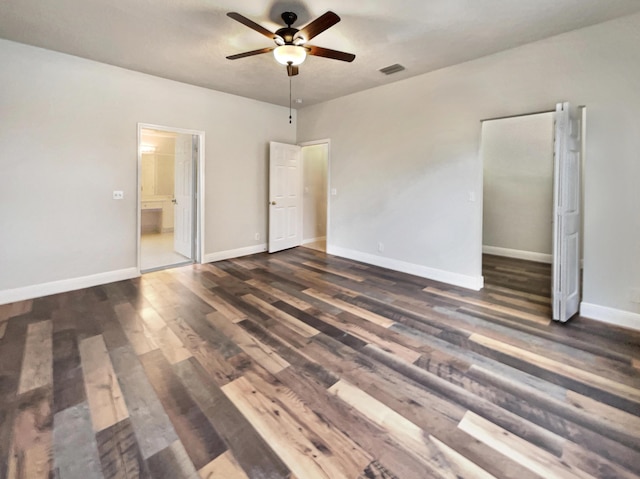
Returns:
<point x="405" y="156"/>
<point x="68" y="138"/>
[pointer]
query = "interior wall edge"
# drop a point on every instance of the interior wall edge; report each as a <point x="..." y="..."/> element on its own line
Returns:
<point x="518" y="254"/>
<point x="65" y="285"/>
<point x="616" y="317"/>
<point x="474" y="283"/>
<point x="234" y="253"/>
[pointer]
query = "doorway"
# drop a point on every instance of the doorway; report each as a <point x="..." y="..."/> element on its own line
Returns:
<point x="520" y="237"/>
<point x="517" y="215"/>
<point x="298" y="195"/>
<point x="315" y="173"/>
<point x="169" y="199"/>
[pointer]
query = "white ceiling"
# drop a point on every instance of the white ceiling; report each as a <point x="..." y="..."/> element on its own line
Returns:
<point x="188" y="40"/>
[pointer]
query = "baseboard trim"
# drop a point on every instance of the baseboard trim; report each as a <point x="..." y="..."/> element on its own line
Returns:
<point x="313" y="240"/>
<point x="617" y="317"/>
<point x="470" y="282"/>
<point x="234" y="253"/>
<point x="65" y="285"/>
<point x="518" y="254"/>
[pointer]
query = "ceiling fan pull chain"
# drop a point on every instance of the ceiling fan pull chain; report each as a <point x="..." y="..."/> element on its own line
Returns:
<point x="289" y="100"/>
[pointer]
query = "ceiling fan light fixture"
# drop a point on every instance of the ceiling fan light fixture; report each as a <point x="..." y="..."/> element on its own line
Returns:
<point x="290" y="54"/>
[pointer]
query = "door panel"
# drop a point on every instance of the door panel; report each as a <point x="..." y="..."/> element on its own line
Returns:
<point x="183" y="196"/>
<point x="292" y="222"/>
<point x="566" y="231"/>
<point x="285" y="196"/>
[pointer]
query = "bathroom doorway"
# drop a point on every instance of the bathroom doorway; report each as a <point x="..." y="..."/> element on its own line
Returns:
<point x="169" y="206"/>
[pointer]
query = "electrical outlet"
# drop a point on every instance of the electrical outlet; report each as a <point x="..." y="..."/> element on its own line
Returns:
<point x="256" y="237"/>
<point x="118" y="195"/>
<point x="380" y="247"/>
<point x="334" y="191"/>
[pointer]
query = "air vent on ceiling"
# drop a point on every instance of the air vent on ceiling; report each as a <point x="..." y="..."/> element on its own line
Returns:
<point x="392" y="69"/>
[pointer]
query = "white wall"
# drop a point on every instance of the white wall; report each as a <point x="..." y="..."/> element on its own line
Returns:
<point x="314" y="161"/>
<point x="68" y="134"/>
<point x="405" y="156"/>
<point x="517" y="159"/>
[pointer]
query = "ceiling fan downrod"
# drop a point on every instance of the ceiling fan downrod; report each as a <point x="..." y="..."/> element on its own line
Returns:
<point x="290" y="77"/>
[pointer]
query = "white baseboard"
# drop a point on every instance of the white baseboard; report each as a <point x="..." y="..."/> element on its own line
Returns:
<point x="518" y="254"/>
<point x="234" y="253"/>
<point x="313" y="240"/>
<point x="618" y="317"/>
<point x="470" y="282"/>
<point x="64" y="285"/>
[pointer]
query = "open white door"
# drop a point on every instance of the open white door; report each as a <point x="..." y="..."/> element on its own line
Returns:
<point x="285" y="196"/>
<point x="566" y="226"/>
<point x="183" y="196"/>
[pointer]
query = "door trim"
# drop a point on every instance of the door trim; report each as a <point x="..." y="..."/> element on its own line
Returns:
<point x="327" y="142"/>
<point x="198" y="185"/>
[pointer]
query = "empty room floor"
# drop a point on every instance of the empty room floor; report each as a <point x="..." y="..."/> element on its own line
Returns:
<point x="526" y="278"/>
<point x="156" y="251"/>
<point x="304" y="365"/>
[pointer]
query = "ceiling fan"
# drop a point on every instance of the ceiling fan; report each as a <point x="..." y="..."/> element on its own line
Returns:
<point x="291" y="44"/>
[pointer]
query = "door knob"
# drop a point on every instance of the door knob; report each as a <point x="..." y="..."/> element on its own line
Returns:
<point x="273" y="203"/>
<point x="174" y="201"/>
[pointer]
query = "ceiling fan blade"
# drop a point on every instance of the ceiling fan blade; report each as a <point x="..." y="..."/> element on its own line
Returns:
<point x="251" y="24"/>
<point x="292" y="70"/>
<point x="319" y="25"/>
<point x="250" y="54"/>
<point x="328" y="53"/>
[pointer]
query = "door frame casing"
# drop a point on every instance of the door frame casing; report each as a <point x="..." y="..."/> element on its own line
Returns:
<point x="327" y="142"/>
<point x="198" y="228"/>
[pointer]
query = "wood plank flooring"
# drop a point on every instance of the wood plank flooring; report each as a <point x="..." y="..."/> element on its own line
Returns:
<point x="301" y="365"/>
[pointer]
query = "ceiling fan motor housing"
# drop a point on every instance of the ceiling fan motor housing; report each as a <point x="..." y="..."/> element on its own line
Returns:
<point x="289" y="18"/>
<point x="287" y="34"/>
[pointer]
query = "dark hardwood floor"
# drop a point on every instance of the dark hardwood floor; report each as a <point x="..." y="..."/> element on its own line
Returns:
<point x="302" y="365"/>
